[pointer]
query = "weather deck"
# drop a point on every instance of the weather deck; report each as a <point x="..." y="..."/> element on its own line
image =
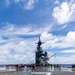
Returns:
<point x="45" y="71"/>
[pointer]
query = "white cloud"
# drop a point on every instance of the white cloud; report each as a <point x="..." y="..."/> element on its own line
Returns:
<point x="70" y="36"/>
<point x="53" y="41"/>
<point x="64" y="13"/>
<point x="30" y="4"/>
<point x="11" y="29"/>
<point x="68" y="51"/>
<point x="4" y="3"/>
<point x="49" y="40"/>
<point x="23" y="58"/>
<point x="17" y="1"/>
<point x="56" y="2"/>
<point x="26" y="4"/>
<point x="63" y="60"/>
<point x="17" y="51"/>
<point x="7" y="3"/>
<point x="24" y="47"/>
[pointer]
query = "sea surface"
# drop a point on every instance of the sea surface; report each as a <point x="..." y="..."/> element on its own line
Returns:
<point x="66" y="65"/>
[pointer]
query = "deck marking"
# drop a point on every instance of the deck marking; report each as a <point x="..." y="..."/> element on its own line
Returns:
<point x="46" y="73"/>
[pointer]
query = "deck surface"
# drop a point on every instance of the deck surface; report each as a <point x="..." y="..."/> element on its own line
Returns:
<point x="45" y="71"/>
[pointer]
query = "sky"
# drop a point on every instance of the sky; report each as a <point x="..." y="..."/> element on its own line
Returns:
<point x="23" y="21"/>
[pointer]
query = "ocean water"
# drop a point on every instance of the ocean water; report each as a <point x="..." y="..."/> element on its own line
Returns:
<point x="66" y="65"/>
<point x="3" y="69"/>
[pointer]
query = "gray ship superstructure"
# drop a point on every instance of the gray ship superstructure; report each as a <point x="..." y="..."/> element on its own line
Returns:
<point x="41" y="57"/>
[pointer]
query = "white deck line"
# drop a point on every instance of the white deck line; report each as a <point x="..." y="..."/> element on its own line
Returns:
<point x="46" y="73"/>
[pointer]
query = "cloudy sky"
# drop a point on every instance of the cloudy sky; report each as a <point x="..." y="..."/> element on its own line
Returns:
<point x="23" y="21"/>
